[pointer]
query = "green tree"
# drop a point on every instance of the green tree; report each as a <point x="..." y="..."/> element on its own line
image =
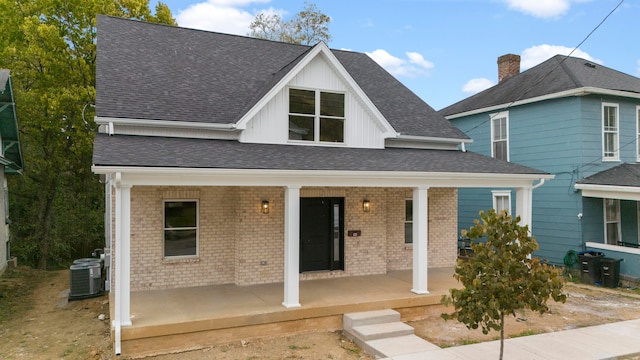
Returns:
<point x="501" y="277"/>
<point x="307" y="27"/>
<point x="57" y="207"/>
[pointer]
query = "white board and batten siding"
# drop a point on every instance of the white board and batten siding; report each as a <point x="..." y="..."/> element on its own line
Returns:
<point x="271" y="124"/>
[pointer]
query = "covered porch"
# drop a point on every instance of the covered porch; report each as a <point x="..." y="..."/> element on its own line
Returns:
<point x="611" y="207"/>
<point x="196" y="317"/>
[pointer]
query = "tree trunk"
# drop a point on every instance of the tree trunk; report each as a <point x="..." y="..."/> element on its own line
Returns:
<point x="501" y="334"/>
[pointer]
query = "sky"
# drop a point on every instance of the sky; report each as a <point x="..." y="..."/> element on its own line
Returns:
<point x="447" y="50"/>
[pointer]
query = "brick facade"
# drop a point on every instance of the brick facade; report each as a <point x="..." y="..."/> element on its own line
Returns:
<point x="239" y="244"/>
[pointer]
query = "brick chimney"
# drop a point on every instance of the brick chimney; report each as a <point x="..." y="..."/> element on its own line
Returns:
<point x="508" y="65"/>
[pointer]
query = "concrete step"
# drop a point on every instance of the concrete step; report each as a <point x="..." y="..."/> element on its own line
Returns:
<point x="396" y="346"/>
<point x="380" y="331"/>
<point x="351" y="320"/>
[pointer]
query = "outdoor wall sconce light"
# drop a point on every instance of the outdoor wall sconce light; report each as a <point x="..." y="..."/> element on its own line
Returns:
<point x="366" y="205"/>
<point x="265" y="206"/>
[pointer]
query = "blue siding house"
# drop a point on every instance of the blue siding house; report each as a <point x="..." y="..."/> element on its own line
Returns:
<point x="579" y="121"/>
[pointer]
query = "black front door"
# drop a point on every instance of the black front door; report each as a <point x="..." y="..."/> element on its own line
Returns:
<point x="321" y="234"/>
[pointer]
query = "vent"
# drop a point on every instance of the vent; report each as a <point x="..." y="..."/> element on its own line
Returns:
<point x="85" y="279"/>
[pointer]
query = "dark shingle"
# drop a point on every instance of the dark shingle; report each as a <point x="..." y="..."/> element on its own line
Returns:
<point x="557" y="74"/>
<point x="627" y="174"/>
<point x="143" y="151"/>
<point x="159" y="72"/>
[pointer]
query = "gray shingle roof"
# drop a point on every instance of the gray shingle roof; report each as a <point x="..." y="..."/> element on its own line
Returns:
<point x="159" y="72"/>
<point x="148" y="151"/>
<point x="627" y="174"/>
<point x="9" y="133"/>
<point x="557" y="74"/>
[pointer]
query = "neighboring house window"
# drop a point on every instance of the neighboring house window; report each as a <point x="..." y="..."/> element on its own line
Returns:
<point x="638" y="133"/>
<point x="408" y="221"/>
<point x="612" y="221"/>
<point x="316" y="116"/>
<point x="610" y="131"/>
<point x="500" y="136"/>
<point x="502" y="201"/>
<point x="180" y="228"/>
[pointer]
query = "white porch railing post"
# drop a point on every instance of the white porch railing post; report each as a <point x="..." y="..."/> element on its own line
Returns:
<point x="291" y="247"/>
<point x="420" y="239"/>
<point x="524" y="203"/>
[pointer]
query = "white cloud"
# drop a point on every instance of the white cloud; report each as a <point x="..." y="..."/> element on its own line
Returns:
<point x="476" y="85"/>
<point x="541" y="8"/>
<point x="536" y="54"/>
<point x="226" y="16"/>
<point x="413" y="66"/>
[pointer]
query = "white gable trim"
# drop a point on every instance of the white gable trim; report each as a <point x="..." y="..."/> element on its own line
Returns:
<point x="319" y="50"/>
<point x="583" y="91"/>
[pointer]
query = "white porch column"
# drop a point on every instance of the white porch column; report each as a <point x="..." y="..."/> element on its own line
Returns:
<point x="122" y="269"/>
<point x="291" y="247"/>
<point x="524" y="203"/>
<point x="420" y="239"/>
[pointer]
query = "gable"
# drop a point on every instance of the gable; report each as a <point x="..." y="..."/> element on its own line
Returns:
<point x="270" y="124"/>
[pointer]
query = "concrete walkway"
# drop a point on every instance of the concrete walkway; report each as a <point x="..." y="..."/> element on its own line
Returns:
<point x="619" y="340"/>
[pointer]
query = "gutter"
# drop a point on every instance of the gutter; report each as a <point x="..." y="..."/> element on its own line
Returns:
<point x="583" y="91"/>
<point x="110" y="122"/>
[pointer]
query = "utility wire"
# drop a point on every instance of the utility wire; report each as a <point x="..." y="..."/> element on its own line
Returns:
<point x="548" y="73"/>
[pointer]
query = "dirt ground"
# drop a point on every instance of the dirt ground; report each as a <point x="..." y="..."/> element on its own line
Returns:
<point x="36" y="322"/>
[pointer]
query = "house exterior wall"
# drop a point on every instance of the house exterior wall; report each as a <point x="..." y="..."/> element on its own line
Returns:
<point x="4" y="228"/>
<point x="241" y="245"/>
<point x="270" y="125"/>
<point x="562" y="137"/>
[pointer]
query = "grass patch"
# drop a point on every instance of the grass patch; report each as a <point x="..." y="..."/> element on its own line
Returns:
<point x="524" y="333"/>
<point x="16" y="287"/>
<point x="296" y="347"/>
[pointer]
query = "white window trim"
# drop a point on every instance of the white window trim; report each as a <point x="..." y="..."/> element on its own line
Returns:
<point x="501" y="193"/>
<point x="604" y="214"/>
<point x="407" y="222"/>
<point x="638" y="134"/>
<point x="496" y="116"/>
<point x="616" y="156"/>
<point x="316" y="118"/>
<point x="197" y="254"/>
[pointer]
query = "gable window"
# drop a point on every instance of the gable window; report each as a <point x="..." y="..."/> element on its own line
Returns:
<point x="316" y="116"/>
<point x="408" y="221"/>
<point x="612" y="221"/>
<point x="500" y="136"/>
<point x="638" y="133"/>
<point x="502" y="201"/>
<point x="610" y="131"/>
<point x="180" y="228"/>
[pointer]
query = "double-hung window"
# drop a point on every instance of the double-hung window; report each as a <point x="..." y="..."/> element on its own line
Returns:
<point x="610" y="137"/>
<point x="316" y="116"/>
<point x="500" y="136"/>
<point x="180" y="228"/>
<point x="408" y="221"/>
<point x="612" y="221"/>
<point x="502" y="201"/>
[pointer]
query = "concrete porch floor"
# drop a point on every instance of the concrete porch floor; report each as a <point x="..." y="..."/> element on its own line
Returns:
<point x="190" y="318"/>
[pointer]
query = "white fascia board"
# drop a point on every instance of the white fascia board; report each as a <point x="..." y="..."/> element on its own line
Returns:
<point x="147" y="176"/>
<point x="609" y="191"/>
<point x="588" y="90"/>
<point x="320" y="48"/>
<point x="413" y="138"/>
<point x="165" y="123"/>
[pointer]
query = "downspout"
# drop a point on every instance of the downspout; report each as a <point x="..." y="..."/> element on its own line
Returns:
<point x="462" y="147"/>
<point x="538" y="185"/>
<point x="117" y="322"/>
